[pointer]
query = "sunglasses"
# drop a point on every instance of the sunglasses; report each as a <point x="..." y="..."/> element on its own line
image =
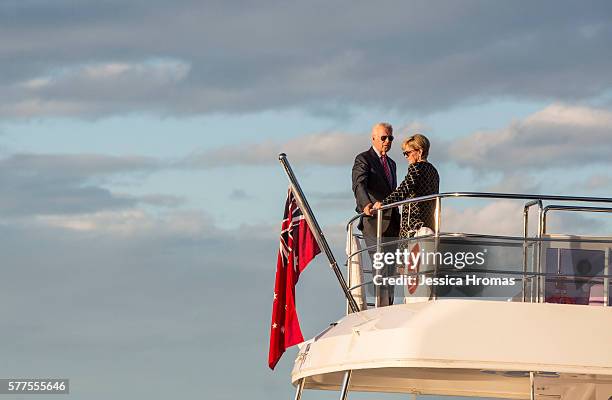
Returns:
<point x="407" y="152"/>
<point x="383" y="138"/>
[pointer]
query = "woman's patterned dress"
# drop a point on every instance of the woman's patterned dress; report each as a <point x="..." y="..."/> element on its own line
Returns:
<point x="422" y="180"/>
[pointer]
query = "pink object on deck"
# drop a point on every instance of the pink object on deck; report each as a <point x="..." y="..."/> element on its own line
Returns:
<point x="596" y="297"/>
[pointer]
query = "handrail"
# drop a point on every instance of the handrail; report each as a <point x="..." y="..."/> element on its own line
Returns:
<point x="533" y="199"/>
<point x="489" y="195"/>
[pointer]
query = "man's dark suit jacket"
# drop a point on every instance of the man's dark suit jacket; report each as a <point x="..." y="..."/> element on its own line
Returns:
<point x="370" y="185"/>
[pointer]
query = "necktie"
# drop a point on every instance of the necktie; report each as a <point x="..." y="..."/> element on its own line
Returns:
<point x="383" y="161"/>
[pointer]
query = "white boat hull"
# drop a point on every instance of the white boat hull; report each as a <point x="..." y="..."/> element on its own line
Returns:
<point x="466" y="348"/>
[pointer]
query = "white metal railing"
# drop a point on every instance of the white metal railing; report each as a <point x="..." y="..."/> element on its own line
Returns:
<point x="533" y="279"/>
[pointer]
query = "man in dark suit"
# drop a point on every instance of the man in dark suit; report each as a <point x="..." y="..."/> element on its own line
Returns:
<point x="374" y="178"/>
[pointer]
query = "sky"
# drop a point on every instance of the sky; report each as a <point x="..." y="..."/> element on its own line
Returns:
<point x="141" y="192"/>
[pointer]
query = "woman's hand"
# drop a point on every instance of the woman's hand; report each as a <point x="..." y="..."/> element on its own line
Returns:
<point x="377" y="205"/>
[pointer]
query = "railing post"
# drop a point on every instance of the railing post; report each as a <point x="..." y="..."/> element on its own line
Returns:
<point x="606" y="281"/>
<point x="377" y="272"/>
<point x="525" y="233"/>
<point x="536" y="249"/>
<point x="541" y="279"/>
<point x="349" y="265"/>
<point x="438" y="216"/>
<point x="434" y="295"/>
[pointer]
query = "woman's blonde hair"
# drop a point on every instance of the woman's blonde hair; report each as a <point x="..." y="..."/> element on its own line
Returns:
<point x="418" y="142"/>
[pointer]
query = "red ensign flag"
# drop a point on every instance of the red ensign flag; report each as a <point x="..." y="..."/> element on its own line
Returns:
<point x="297" y="247"/>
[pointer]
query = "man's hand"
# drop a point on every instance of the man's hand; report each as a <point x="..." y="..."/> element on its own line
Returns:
<point x="367" y="210"/>
<point x="377" y="205"/>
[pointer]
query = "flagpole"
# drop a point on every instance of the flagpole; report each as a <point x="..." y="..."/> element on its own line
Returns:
<point x="316" y="230"/>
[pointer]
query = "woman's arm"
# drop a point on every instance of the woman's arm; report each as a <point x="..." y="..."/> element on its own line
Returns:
<point x="403" y="190"/>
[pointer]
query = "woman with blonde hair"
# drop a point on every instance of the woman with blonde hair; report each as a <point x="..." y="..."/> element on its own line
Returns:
<point x="422" y="179"/>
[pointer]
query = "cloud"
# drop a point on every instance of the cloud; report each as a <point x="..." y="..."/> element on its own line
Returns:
<point x="155" y="302"/>
<point x="597" y="182"/>
<point x="160" y="200"/>
<point x="94" y="89"/>
<point x="332" y="149"/>
<point x="495" y="218"/>
<point x="333" y="200"/>
<point x="336" y="195"/>
<point x="505" y="218"/>
<point x="321" y="148"/>
<point x="43" y="184"/>
<point x="516" y="183"/>
<point x="83" y="59"/>
<point x="74" y="166"/>
<point x="130" y="222"/>
<point x="239" y="194"/>
<point x="578" y="223"/>
<point x="557" y="136"/>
